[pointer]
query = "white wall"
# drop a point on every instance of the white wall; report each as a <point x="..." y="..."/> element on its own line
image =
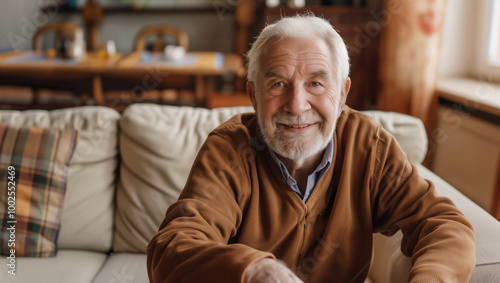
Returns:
<point x="210" y="31"/>
<point x="459" y="38"/>
<point x="18" y="21"/>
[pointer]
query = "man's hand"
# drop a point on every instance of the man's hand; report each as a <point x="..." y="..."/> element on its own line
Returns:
<point x="270" y="271"/>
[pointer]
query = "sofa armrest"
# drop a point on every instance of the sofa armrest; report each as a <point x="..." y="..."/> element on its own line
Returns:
<point x="390" y="265"/>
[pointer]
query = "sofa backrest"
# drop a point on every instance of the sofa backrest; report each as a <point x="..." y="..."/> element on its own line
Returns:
<point x="158" y="144"/>
<point x="87" y="217"/>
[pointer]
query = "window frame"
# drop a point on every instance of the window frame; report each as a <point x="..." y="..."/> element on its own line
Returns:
<point x="483" y="69"/>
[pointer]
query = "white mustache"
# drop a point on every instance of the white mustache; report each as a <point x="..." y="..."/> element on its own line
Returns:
<point x="288" y="119"/>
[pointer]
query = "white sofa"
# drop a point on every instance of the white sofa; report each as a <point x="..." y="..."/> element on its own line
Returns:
<point x="127" y="169"/>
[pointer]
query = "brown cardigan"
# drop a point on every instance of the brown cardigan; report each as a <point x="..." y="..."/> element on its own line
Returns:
<point x="236" y="209"/>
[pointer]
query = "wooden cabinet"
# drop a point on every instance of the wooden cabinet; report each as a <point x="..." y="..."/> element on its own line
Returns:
<point x="360" y="30"/>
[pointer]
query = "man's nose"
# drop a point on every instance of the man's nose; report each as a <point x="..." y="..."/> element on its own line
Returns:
<point x="297" y="101"/>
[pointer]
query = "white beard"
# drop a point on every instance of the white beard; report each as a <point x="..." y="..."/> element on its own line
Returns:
<point x="290" y="145"/>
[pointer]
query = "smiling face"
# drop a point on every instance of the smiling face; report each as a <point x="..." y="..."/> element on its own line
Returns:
<point x="297" y="96"/>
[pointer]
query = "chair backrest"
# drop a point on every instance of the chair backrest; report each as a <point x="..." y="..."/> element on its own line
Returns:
<point x="61" y="30"/>
<point x="160" y="31"/>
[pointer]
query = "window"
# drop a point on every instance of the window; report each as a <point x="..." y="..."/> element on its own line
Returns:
<point x="494" y="34"/>
<point x="487" y="59"/>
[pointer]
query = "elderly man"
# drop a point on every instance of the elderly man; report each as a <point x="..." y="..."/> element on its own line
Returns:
<point x="295" y="191"/>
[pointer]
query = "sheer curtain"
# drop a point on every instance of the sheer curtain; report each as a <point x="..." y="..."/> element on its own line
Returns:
<point x="409" y="56"/>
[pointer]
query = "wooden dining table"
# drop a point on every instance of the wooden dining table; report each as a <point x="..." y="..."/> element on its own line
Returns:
<point x="34" y="69"/>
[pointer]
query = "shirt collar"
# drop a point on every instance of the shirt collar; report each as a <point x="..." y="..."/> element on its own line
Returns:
<point x="320" y="170"/>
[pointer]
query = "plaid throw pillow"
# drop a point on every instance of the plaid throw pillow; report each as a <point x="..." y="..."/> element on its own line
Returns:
<point x="33" y="168"/>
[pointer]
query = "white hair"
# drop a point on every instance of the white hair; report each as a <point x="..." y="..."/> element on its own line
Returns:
<point x="300" y="26"/>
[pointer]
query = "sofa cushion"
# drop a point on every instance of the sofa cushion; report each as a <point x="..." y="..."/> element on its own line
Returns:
<point x="486" y="273"/>
<point x="158" y="145"/>
<point x="123" y="267"/>
<point x="87" y="220"/>
<point x="33" y="166"/>
<point x="390" y="265"/>
<point x="68" y="266"/>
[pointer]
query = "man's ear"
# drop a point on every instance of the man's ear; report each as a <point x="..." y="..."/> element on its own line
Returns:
<point x="250" y="89"/>
<point x="347" y="87"/>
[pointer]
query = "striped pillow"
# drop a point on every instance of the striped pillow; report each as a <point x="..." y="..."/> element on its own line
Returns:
<point x="33" y="169"/>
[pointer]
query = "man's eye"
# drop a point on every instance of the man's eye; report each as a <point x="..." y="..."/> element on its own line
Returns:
<point x="278" y="84"/>
<point x="315" y="84"/>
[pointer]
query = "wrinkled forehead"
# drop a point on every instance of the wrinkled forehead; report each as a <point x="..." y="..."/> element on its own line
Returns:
<point x="310" y="53"/>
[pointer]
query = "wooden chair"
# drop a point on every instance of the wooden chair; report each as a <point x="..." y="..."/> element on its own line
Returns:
<point x="61" y="30"/>
<point x="160" y="31"/>
<point x="174" y="89"/>
<point x="55" y="96"/>
<point x="17" y="95"/>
